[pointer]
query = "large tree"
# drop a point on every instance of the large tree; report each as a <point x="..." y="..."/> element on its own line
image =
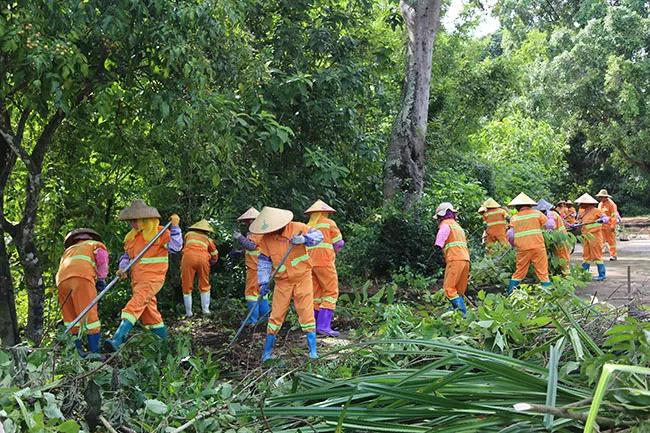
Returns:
<point x="60" y="58"/>
<point x="405" y="158"/>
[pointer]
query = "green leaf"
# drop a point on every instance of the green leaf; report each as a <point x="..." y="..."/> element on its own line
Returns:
<point x="68" y="426"/>
<point x="155" y="406"/>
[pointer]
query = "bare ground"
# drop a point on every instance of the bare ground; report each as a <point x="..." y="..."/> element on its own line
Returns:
<point x="633" y="254"/>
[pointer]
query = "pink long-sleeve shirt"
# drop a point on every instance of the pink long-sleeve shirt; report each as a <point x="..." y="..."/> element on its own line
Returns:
<point x="443" y="234"/>
<point x="101" y="260"/>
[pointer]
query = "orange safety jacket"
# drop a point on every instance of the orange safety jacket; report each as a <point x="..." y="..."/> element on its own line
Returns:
<point x="78" y="260"/>
<point x="155" y="261"/>
<point x="495" y="220"/>
<point x="527" y="225"/>
<point x="252" y="256"/>
<point x="559" y="222"/>
<point x="323" y="254"/>
<point x="274" y="246"/>
<point x="609" y="208"/>
<point x="589" y="218"/>
<point x="200" y="244"/>
<point x="455" y="248"/>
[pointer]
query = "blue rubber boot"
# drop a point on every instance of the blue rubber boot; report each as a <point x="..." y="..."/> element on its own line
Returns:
<point x="255" y="316"/>
<point x="459" y="304"/>
<point x="161" y="332"/>
<point x="311" y="344"/>
<point x="601" y="272"/>
<point x="547" y="284"/>
<point x="93" y="342"/>
<point x="512" y="286"/>
<point x="80" y="348"/>
<point x="113" y="345"/>
<point x="268" y="347"/>
<point x="586" y="266"/>
<point x="264" y="308"/>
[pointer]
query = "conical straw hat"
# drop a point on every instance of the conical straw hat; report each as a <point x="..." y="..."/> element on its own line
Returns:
<point x="320" y="206"/>
<point x="482" y="209"/>
<point x="270" y="220"/>
<point x="442" y="209"/>
<point x="586" y="199"/>
<point x="543" y="205"/>
<point x="202" y="225"/>
<point x="491" y="203"/>
<point x="603" y="193"/>
<point x="522" y="200"/>
<point x="250" y="214"/>
<point x="560" y="202"/>
<point x="70" y="237"/>
<point x="138" y="209"/>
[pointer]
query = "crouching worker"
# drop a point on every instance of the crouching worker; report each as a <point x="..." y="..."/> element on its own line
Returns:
<point x="527" y="237"/>
<point x="148" y="274"/>
<point x="323" y="258"/>
<point x="451" y="240"/>
<point x="284" y="239"/>
<point x="83" y="270"/>
<point x="199" y="255"/>
<point x="257" y="310"/>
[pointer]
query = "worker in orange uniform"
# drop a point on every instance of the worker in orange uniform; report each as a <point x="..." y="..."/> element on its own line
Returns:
<point x="293" y="277"/>
<point x="323" y="259"/>
<point x="199" y="255"/>
<point x="562" y="251"/>
<point x="453" y="243"/>
<point x="571" y="212"/>
<point x="609" y="208"/>
<point x="82" y="271"/>
<point x="527" y="237"/>
<point x="148" y="274"/>
<point x="252" y="289"/>
<point x="496" y="220"/>
<point x="591" y="219"/>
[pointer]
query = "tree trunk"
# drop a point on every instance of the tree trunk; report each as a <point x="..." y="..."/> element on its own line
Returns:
<point x="8" y="319"/>
<point x="405" y="158"/>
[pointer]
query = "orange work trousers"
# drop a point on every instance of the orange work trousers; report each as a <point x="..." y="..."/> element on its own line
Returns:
<point x="326" y="286"/>
<point x="299" y="289"/>
<point x="592" y="247"/>
<point x="609" y="236"/>
<point x="538" y="258"/>
<point x="191" y="266"/>
<point x="456" y="277"/>
<point x="500" y="238"/>
<point x="143" y="305"/>
<point x="75" y="294"/>
<point x="252" y="290"/>
<point x="564" y="254"/>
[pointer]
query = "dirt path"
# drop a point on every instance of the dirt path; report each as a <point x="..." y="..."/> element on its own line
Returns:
<point x="634" y="253"/>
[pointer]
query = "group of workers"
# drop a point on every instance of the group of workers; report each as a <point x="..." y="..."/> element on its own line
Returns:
<point x="596" y="219"/>
<point x="300" y="258"/>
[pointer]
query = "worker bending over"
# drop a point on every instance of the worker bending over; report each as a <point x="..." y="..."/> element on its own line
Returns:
<point x="199" y="255"/>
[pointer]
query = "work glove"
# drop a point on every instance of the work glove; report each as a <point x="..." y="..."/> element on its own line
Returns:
<point x="236" y="235"/>
<point x="601" y="220"/>
<point x="100" y="285"/>
<point x="175" y="219"/>
<point x="264" y="289"/>
<point x="298" y="240"/>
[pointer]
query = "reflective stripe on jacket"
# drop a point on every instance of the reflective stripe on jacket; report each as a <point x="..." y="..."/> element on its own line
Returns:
<point x="200" y="244"/>
<point x="155" y="261"/>
<point x="323" y="254"/>
<point x="275" y="246"/>
<point x="456" y="243"/>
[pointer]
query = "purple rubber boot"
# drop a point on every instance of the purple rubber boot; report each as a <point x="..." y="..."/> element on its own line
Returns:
<point x="324" y="323"/>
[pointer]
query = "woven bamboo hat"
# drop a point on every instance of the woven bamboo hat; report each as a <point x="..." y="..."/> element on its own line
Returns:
<point x="202" y="225"/>
<point x="543" y="205"/>
<point x="586" y="199"/>
<point x="603" y="193"/>
<point x="522" y="200"/>
<point x="270" y="220"/>
<point x="560" y="202"/>
<point x="320" y="206"/>
<point x="250" y="214"/>
<point x="569" y="202"/>
<point x="482" y="209"/>
<point x="70" y="238"/>
<point x="138" y="209"/>
<point x="491" y="203"/>
<point x="442" y="209"/>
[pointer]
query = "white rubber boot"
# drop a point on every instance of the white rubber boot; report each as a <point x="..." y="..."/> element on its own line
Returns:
<point x="187" y="300"/>
<point x="205" y="302"/>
